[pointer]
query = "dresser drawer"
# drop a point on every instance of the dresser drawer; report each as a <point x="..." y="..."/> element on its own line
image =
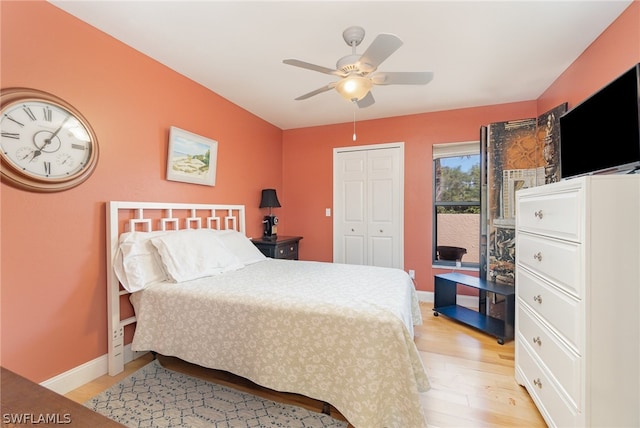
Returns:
<point x="557" y="261"/>
<point x="559" y="310"/>
<point x="555" y="214"/>
<point x="539" y="384"/>
<point x="564" y="364"/>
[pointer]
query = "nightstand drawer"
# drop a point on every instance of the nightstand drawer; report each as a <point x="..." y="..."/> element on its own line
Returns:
<point x="288" y="251"/>
<point x="284" y="247"/>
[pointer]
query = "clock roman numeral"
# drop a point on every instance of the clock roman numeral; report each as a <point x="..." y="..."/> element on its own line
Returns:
<point x="29" y="113"/>
<point x="47" y="168"/>
<point x="47" y="114"/>
<point x="14" y="120"/>
<point x="13" y="135"/>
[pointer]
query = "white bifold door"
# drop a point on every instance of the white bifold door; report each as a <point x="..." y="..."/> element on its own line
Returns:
<point x="368" y="205"/>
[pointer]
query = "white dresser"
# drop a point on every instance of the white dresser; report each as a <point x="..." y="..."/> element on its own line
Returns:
<point x="578" y="300"/>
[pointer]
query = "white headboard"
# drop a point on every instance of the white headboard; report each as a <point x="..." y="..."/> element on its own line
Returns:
<point x="147" y="217"/>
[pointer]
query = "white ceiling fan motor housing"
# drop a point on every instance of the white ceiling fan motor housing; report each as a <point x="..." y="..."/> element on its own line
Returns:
<point x="353" y="35"/>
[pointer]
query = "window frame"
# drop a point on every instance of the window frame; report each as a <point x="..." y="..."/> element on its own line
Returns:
<point x="446" y="150"/>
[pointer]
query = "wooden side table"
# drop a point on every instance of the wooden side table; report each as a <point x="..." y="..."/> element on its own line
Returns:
<point x="445" y="295"/>
<point x="284" y="247"/>
<point x="25" y="403"/>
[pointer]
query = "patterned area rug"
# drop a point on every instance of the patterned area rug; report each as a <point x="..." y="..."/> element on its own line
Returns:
<point x="156" y="397"/>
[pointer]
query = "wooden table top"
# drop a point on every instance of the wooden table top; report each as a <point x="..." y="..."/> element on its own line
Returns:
<point x="25" y="403"/>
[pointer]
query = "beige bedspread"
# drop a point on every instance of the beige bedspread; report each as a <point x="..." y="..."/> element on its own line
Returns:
<point x="342" y="334"/>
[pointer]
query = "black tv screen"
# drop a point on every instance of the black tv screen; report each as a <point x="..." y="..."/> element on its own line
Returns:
<point x="602" y="133"/>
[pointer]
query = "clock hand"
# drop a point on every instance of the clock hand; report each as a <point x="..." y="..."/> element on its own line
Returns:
<point x="26" y="156"/>
<point x="36" y="153"/>
<point x="48" y="140"/>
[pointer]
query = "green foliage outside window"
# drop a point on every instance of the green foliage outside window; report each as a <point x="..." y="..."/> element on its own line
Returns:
<point x="457" y="191"/>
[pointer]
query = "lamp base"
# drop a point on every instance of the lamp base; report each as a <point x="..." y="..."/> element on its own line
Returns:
<point x="270" y="227"/>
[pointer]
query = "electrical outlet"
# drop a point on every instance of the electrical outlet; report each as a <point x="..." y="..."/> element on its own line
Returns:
<point x="412" y="274"/>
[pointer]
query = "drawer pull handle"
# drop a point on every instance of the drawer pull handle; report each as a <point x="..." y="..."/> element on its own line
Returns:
<point x="381" y="231"/>
<point x="538" y="383"/>
<point x="537" y="298"/>
<point x="538" y="214"/>
<point x="537" y="341"/>
<point x="538" y="256"/>
<point x="290" y="248"/>
<point x="353" y="230"/>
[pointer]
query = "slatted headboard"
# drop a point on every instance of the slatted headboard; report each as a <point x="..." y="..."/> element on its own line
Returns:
<point x="147" y="217"/>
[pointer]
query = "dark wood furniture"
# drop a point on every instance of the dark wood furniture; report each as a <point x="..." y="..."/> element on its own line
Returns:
<point x="445" y="292"/>
<point x="25" y="403"/>
<point x="284" y="247"/>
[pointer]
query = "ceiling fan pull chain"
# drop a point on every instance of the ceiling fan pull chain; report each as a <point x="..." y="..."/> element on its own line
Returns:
<point x="354" y="123"/>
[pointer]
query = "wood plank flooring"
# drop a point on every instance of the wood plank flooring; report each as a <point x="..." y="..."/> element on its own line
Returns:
<point x="471" y="375"/>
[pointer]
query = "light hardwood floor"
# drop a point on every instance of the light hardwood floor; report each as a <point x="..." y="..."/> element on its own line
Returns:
<point x="471" y="376"/>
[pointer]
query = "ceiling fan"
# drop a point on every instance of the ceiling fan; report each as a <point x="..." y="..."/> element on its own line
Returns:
<point x="358" y="72"/>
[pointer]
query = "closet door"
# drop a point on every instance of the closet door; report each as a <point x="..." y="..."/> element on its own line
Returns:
<point x="350" y="199"/>
<point x="368" y="205"/>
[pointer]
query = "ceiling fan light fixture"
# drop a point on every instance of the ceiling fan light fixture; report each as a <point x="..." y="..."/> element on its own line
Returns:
<point x="354" y="87"/>
<point x="357" y="72"/>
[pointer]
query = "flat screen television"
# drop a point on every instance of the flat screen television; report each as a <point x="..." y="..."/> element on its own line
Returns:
<point x="602" y="134"/>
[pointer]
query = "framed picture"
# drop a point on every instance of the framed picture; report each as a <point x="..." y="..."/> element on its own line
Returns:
<point x="192" y="158"/>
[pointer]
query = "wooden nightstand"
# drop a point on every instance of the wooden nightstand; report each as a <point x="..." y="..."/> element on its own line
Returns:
<point x="284" y="247"/>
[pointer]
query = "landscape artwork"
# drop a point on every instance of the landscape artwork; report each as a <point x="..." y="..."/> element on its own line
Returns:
<point x="191" y="158"/>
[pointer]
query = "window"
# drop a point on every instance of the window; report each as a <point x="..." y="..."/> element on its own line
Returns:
<point x="456" y="204"/>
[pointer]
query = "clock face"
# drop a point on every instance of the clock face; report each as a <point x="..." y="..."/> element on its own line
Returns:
<point x="46" y="145"/>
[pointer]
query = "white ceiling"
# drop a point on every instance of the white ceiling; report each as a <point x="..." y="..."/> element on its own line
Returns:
<point x="481" y="52"/>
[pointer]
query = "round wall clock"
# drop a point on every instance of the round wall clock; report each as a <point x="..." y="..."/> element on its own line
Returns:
<point x="46" y="144"/>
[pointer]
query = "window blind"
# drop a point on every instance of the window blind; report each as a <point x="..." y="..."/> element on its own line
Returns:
<point x="447" y="150"/>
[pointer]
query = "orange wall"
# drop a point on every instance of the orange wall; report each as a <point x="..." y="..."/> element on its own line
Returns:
<point x="54" y="310"/>
<point x="308" y="174"/>
<point x="53" y="269"/>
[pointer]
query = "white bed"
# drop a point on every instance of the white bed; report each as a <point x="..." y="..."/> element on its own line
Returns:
<point x="342" y="334"/>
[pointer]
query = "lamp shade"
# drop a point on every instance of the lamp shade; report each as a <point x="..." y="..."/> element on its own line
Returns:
<point x="354" y="87"/>
<point x="269" y="199"/>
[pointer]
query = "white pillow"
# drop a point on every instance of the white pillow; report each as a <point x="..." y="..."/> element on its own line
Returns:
<point x="190" y="254"/>
<point x="241" y="246"/>
<point x="137" y="263"/>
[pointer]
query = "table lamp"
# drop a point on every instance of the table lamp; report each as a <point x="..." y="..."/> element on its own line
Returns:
<point x="270" y="200"/>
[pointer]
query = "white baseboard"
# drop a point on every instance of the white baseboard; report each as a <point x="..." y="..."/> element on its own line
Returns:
<point x="85" y="373"/>
<point x="425" y="296"/>
<point x="462" y="300"/>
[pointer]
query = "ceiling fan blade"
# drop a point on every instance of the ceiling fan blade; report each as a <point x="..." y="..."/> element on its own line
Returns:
<point x="381" y="48"/>
<point x="402" y="78"/>
<point x="308" y="66"/>
<point x="366" y="101"/>
<point x="316" y="92"/>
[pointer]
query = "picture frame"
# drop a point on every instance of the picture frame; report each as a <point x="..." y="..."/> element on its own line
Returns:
<point x="191" y="158"/>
